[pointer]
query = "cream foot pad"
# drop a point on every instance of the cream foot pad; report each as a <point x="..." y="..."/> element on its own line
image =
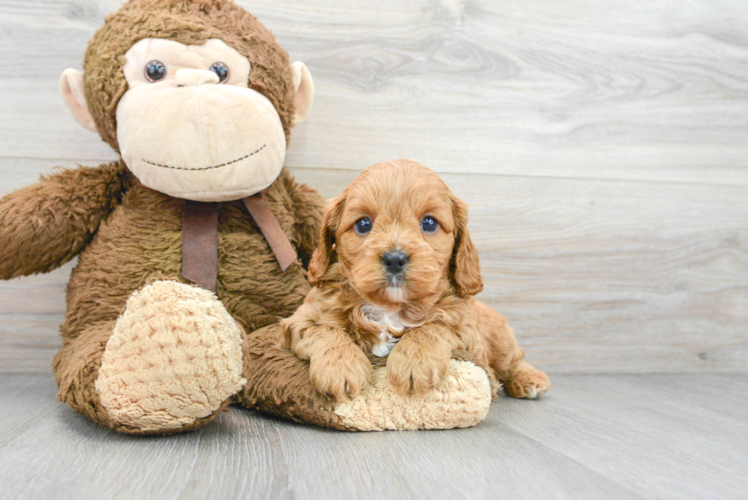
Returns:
<point x="175" y="356"/>
<point x="461" y="400"/>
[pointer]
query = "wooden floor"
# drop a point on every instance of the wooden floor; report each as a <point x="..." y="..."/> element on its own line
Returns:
<point x="593" y="437"/>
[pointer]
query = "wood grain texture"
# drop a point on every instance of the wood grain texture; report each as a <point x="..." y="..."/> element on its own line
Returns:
<point x="602" y="147"/>
<point x="635" y="90"/>
<point x="600" y="277"/>
<point x="595" y="276"/>
<point x="656" y="437"/>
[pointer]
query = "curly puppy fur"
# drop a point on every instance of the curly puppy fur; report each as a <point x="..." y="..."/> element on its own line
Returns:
<point x="359" y="310"/>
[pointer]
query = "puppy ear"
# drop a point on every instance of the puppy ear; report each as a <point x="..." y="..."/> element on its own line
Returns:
<point x="465" y="262"/>
<point x="322" y="257"/>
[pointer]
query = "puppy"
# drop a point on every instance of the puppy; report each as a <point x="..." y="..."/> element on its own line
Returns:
<point x="395" y="274"/>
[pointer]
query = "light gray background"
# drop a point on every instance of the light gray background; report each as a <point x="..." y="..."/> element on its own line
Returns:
<point x="602" y="147"/>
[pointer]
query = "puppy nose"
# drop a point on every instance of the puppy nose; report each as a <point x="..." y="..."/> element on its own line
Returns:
<point x="186" y="77"/>
<point x="395" y="261"/>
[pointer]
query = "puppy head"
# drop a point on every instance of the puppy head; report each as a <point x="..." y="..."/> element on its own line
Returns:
<point x="399" y="236"/>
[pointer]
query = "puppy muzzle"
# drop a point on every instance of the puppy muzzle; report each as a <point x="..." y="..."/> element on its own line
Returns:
<point x="394" y="263"/>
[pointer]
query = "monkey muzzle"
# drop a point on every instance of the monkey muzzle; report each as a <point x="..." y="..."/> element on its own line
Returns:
<point x="200" y="141"/>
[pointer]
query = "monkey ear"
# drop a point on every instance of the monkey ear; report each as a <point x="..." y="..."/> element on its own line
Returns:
<point x="322" y="257"/>
<point x="465" y="262"/>
<point x="304" y="87"/>
<point x="71" y="88"/>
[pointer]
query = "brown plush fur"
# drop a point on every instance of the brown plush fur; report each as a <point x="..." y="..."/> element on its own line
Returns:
<point x="336" y="328"/>
<point x="128" y="235"/>
<point x="278" y="383"/>
<point x="190" y="22"/>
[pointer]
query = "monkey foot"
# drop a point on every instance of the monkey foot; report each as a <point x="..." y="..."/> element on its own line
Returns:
<point x="174" y="360"/>
<point x="462" y="399"/>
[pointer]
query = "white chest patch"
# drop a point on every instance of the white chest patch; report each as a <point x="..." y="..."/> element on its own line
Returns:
<point x="390" y="324"/>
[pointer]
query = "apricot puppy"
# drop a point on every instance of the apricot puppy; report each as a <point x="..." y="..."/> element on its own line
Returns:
<point x="395" y="273"/>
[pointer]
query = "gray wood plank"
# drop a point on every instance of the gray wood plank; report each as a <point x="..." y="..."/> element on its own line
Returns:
<point x="635" y="90"/>
<point x="31" y="310"/>
<point x="591" y="437"/>
<point x="667" y="435"/>
<point x="595" y="276"/>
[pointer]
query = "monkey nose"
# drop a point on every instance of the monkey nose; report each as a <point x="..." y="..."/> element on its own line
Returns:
<point x="185" y="77"/>
<point x="395" y="261"/>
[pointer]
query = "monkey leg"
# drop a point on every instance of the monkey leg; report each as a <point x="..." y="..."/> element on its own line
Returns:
<point x="170" y="363"/>
<point x="278" y="383"/>
<point x="76" y="368"/>
<point x="506" y="357"/>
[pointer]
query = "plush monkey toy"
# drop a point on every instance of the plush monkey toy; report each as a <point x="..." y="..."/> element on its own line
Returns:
<point x="196" y="239"/>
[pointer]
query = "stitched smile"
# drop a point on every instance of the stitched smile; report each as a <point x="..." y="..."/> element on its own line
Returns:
<point x="207" y="168"/>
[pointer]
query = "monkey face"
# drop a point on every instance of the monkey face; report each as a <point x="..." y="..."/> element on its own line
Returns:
<point x="204" y="114"/>
<point x="190" y="126"/>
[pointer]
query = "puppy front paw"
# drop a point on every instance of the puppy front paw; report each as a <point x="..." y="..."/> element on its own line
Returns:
<point x="412" y="369"/>
<point x="341" y="371"/>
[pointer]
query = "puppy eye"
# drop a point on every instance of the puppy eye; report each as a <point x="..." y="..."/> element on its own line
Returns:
<point x="429" y="224"/>
<point x="363" y="225"/>
<point x="221" y="70"/>
<point x="155" y="71"/>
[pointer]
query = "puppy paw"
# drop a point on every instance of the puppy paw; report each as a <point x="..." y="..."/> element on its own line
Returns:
<point x="528" y="383"/>
<point x="412" y="369"/>
<point x="341" y="371"/>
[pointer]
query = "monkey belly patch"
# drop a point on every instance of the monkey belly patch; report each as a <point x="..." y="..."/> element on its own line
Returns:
<point x="175" y="356"/>
<point x="461" y="400"/>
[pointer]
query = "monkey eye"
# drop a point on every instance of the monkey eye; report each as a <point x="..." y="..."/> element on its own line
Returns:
<point x="429" y="224"/>
<point x="155" y="71"/>
<point x="221" y="70"/>
<point x="363" y="225"/>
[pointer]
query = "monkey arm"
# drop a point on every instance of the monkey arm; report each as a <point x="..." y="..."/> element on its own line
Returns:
<point x="279" y="383"/>
<point x="308" y="206"/>
<point x="44" y="225"/>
